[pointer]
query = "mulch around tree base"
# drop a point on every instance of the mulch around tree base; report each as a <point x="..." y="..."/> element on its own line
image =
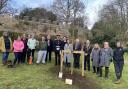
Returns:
<point x="78" y="80"/>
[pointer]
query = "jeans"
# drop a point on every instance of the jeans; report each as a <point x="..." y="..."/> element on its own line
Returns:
<point x="5" y="57"/>
<point x="17" y="57"/>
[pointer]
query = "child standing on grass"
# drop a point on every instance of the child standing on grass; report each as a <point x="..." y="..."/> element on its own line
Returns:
<point x="42" y="51"/>
<point x="18" y="46"/>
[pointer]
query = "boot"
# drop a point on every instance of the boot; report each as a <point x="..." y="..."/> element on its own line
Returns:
<point x="117" y="81"/>
<point x="94" y="69"/>
<point x="106" y="72"/>
<point x="100" y="72"/>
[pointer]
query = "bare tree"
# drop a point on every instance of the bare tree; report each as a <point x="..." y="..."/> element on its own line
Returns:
<point x="114" y="19"/>
<point x="3" y="5"/>
<point x="68" y="10"/>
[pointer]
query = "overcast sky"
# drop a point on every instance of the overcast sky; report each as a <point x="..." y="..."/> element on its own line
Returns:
<point x="93" y="6"/>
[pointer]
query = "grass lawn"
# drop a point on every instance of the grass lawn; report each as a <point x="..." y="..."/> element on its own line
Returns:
<point x="40" y="77"/>
<point x="108" y="84"/>
<point x="30" y="77"/>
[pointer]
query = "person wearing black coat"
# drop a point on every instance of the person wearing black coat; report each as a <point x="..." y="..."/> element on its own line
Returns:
<point x="118" y="60"/>
<point x="64" y="41"/>
<point x="77" y="47"/>
<point x="24" y="53"/>
<point x="87" y="51"/>
<point x="49" y="48"/>
<point x="57" y="49"/>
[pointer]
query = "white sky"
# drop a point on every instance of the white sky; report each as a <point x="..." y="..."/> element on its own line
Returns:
<point x="93" y="8"/>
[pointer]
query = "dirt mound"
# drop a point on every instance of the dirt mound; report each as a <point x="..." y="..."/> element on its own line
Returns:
<point x="78" y="80"/>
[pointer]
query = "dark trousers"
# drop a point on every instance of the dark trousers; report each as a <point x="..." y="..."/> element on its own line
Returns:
<point x="87" y="62"/>
<point x="17" y="57"/>
<point x="31" y="53"/>
<point x="96" y="70"/>
<point x="106" y="72"/>
<point x="57" y="58"/>
<point x="5" y="57"/>
<point x="76" y="60"/>
<point x="118" y="69"/>
<point x="23" y="56"/>
<point x="49" y="54"/>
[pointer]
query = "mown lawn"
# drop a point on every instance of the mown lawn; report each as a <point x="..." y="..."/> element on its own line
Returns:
<point x="40" y="77"/>
<point x="30" y="77"/>
<point x="109" y="84"/>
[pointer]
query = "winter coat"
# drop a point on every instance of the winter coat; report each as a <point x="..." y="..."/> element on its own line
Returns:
<point x="106" y="55"/>
<point x="18" y="46"/>
<point x="119" y="54"/>
<point x="95" y="57"/>
<point x="77" y="47"/>
<point x="31" y="43"/>
<point x="2" y="45"/>
<point x="68" y="56"/>
<point x="50" y="45"/>
<point x="42" y="46"/>
<point x="57" y="45"/>
<point x="87" y="50"/>
<point x="25" y="45"/>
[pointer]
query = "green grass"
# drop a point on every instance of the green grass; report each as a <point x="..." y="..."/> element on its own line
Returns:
<point x="30" y="77"/>
<point x="40" y="77"/>
<point x="109" y="84"/>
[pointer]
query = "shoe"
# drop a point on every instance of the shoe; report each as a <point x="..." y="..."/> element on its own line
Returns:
<point x="117" y="81"/>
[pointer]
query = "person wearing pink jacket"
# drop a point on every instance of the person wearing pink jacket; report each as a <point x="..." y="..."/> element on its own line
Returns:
<point x="18" y="46"/>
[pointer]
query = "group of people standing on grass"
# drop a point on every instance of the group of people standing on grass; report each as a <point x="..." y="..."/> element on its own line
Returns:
<point x="102" y="57"/>
<point x="24" y="47"/>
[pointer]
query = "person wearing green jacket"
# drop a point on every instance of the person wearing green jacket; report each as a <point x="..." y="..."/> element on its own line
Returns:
<point x="42" y="51"/>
